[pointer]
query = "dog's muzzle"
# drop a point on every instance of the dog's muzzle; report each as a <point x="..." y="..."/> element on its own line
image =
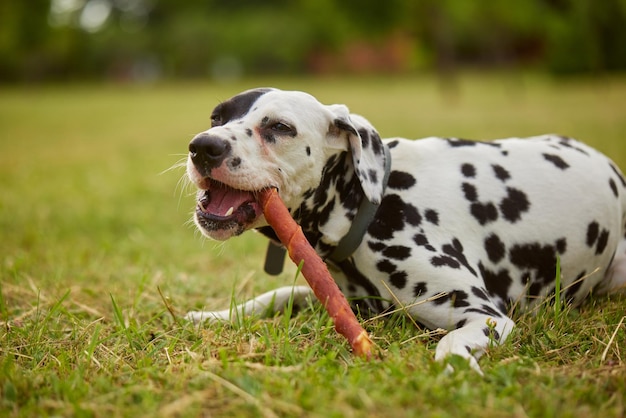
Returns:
<point x="222" y="211"/>
<point x="208" y="152"/>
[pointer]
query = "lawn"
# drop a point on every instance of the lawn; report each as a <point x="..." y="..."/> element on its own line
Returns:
<point x="98" y="263"/>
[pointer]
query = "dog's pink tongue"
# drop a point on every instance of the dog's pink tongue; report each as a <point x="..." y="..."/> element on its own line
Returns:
<point x="224" y="200"/>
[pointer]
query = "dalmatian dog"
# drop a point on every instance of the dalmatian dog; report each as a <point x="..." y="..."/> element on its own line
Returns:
<point x="457" y="233"/>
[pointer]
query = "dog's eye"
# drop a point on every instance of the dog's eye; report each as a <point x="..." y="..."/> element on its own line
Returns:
<point x="282" y="128"/>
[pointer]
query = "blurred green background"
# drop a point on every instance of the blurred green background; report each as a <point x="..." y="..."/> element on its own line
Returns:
<point x="147" y="40"/>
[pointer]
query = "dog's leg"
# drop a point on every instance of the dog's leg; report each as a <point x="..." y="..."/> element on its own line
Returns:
<point x="277" y="299"/>
<point x="472" y="339"/>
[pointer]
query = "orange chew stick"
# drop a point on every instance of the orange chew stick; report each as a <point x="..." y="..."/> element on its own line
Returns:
<point x="315" y="272"/>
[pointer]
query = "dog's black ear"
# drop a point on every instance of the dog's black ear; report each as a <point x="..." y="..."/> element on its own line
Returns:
<point x="367" y="150"/>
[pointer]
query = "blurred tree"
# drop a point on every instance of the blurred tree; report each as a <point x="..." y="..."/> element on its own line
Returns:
<point x="146" y="39"/>
<point x="585" y="36"/>
<point x="24" y="32"/>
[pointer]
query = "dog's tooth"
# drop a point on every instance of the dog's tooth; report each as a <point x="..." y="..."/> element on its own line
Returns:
<point x="229" y="211"/>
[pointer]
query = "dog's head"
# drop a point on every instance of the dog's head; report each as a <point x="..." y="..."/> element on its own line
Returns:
<point x="271" y="138"/>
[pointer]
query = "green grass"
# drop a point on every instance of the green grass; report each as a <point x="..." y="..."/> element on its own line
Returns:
<point x="96" y="249"/>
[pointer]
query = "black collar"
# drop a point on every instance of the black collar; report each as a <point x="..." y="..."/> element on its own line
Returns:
<point x="275" y="256"/>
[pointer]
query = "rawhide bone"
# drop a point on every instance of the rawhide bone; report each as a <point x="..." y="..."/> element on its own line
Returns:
<point x="315" y="272"/>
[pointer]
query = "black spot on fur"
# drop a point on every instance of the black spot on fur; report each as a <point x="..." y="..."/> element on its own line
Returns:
<point x="397" y="252"/>
<point x="455" y="250"/>
<point x="308" y="151"/>
<point x="495" y="248"/>
<point x="479" y="293"/>
<point x="613" y="187"/>
<point x="308" y="193"/>
<point x="376" y="246"/>
<point x="485" y="310"/>
<point x="561" y="245"/>
<point x="572" y="289"/>
<point x="373" y="176"/>
<point x="249" y="132"/>
<point x="236" y="107"/>
<point x="445" y="261"/>
<point x="457" y="142"/>
<point x="497" y="283"/>
<point x="422" y="241"/>
<point x="432" y="216"/>
<point x="500" y="172"/>
<point x="386" y="266"/>
<point x="535" y="257"/>
<point x="419" y="289"/>
<point x="603" y="240"/>
<point x="365" y="138"/>
<point x="514" y="204"/>
<point x="484" y="212"/>
<point x="470" y="192"/>
<point x="534" y="290"/>
<point x="235" y="162"/>
<point x="391" y="216"/>
<point x="461" y="142"/>
<point x="468" y="170"/>
<point x="458" y="298"/>
<point x="491" y="333"/>
<point x="556" y="160"/>
<point x="495" y="334"/>
<point x="400" y="180"/>
<point x="412" y="215"/>
<point x="593" y="231"/>
<point x="618" y="174"/>
<point x="567" y="142"/>
<point x="324" y="213"/>
<point x="392" y="144"/>
<point x="377" y="144"/>
<point x="398" y="279"/>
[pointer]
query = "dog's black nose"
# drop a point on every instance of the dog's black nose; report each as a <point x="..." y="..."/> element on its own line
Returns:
<point x="208" y="151"/>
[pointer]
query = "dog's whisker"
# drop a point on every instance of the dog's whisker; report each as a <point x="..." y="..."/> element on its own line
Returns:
<point x="182" y="163"/>
<point x="184" y="186"/>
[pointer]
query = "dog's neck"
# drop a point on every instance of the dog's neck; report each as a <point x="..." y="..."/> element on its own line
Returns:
<point x="326" y="212"/>
<point x="333" y="217"/>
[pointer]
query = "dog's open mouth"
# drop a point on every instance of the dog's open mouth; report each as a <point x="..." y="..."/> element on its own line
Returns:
<point x="223" y="210"/>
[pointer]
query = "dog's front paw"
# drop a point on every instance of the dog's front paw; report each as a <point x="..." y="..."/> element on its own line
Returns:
<point x="198" y="317"/>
